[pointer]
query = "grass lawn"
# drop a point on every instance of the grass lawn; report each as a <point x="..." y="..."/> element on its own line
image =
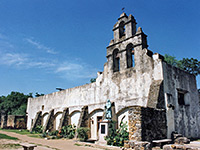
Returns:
<point x="4" y="136"/>
<point x="23" y="132"/>
<point x="10" y="146"/>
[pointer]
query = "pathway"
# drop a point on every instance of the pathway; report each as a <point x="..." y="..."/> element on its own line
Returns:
<point x="60" y="144"/>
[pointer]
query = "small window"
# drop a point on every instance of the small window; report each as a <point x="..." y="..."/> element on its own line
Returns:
<point x="130" y="56"/>
<point x="181" y="98"/>
<point x="116" y="60"/>
<point x="169" y="98"/>
<point x="103" y="129"/>
<point x="121" y="29"/>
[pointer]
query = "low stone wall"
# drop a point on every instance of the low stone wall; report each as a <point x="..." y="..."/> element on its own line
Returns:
<point x="180" y="147"/>
<point x="3" y="121"/>
<point x="147" y="124"/>
<point x="16" y="122"/>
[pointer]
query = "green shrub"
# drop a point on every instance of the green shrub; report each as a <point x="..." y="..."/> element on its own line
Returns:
<point x="117" y="137"/>
<point x="53" y="133"/>
<point x="68" y="131"/>
<point x="44" y="134"/>
<point x="82" y="133"/>
<point x="37" y="129"/>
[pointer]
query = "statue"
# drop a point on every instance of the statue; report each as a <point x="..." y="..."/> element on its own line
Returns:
<point x="108" y="111"/>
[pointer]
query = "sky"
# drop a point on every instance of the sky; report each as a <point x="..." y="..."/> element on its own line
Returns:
<point x="46" y="44"/>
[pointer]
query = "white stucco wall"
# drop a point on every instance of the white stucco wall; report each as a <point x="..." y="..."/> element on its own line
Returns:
<point x="57" y="121"/>
<point x="93" y="123"/>
<point x="44" y="119"/>
<point x="74" y="118"/>
<point x="123" y="117"/>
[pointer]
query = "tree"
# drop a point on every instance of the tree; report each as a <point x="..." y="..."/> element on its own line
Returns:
<point x="170" y="60"/>
<point x="15" y="103"/>
<point x="37" y="94"/>
<point x="190" y="65"/>
<point x="92" y="80"/>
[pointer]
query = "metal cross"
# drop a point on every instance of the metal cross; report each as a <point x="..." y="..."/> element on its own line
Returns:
<point x="123" y="9"/>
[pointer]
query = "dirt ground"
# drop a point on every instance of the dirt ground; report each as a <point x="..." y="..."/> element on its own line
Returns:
<point x="61" y="144"/>
<point x="42" y="144"/>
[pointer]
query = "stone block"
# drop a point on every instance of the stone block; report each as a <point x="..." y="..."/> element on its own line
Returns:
<point x="181" y="140"/>
<point x="167" y="147"/>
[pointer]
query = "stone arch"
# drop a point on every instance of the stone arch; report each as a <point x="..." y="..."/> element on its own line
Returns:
<point x="116" y="60"/>
<point x="95" y="110"/>
<point x="44" y="118"/>
<point x="74" y="117"/>
<point x="130" y="55"/>
<point x="121" y="29"/>
<point x="95" y="116"/>
<point x="122" y="115"/>
<point x="56" y="121"/>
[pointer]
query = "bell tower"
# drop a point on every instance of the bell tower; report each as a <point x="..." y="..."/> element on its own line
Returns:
<point x="124" y="47"/>
<point x="124" y="28"/>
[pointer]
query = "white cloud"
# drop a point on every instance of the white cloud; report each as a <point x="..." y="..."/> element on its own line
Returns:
<point x="13" y="59"/>
<point x="40" y="64"/>
<point x="22" y="60"/>
<point x="41" y="46"/>
<point x="72" y="70"/>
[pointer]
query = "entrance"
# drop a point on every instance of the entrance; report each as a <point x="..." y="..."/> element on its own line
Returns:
<point x="99" y="119"/>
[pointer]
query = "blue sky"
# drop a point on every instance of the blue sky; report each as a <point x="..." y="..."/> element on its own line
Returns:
<point x="46" y="44"/>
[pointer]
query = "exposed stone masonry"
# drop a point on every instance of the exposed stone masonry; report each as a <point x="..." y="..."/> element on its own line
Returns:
<point x="147" y="124"/>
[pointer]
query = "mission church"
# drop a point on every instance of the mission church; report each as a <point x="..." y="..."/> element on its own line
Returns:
<point x="153" y="97"/>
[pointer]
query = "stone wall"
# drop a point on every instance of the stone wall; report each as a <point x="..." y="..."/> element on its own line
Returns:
<point x="13" y="122"/>
<point x="147" y="124"/>
<point x="182" y="117"/>
<point x="3" y="121"/>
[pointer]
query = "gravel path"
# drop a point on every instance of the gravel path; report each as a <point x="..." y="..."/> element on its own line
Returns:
<point x="61" y="144"/>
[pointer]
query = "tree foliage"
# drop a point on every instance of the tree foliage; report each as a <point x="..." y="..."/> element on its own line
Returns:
<point x="37" y="94"/>
<point x="92" y="80"/>
<point x="170" y="60"/>
<point x="15" y="103"/>
<point x="190" y="65"/>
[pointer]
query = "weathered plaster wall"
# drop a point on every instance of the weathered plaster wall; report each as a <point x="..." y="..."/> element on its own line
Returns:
<point x="57" y="121"/>
<point x="74" y="118"/>
<point x="94" y="123"/>
<point x="127" y="87"/>
<point x="181" y="118"/>
<point x="44" y="119"/>
<point x="123" y="117"/>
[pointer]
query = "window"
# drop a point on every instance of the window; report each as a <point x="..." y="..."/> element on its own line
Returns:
<point x="130" y="56"/>
<point x="103" y="129"/>
<point x="181" y="100"/>
<point x="116" y="60"/>
<point x="121" y="29"/>
<point x="169" y="101"/>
